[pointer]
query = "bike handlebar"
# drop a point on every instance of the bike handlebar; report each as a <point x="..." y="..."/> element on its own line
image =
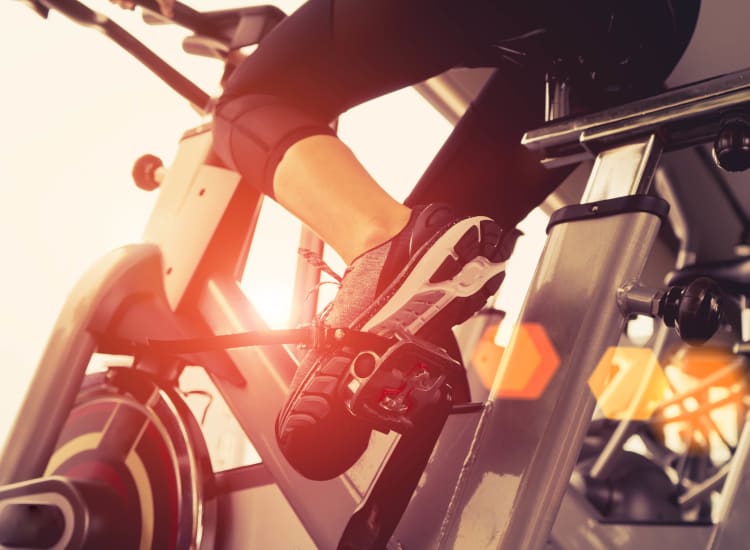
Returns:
<point x="217" y="25"/>
<point x="183" y="15"/>
<point x="83" y="15"/>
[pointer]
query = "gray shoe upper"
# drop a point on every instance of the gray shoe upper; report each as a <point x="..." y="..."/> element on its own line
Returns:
<point x="370" y="273"/>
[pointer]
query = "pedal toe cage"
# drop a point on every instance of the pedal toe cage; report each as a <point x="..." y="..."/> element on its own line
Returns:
<point x="391" y="390"/>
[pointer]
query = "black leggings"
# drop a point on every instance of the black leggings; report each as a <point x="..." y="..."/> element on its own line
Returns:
<point x="331" y="55"/>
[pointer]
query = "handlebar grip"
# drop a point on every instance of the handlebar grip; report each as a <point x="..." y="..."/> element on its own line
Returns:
<point x="82" y="14"/>
<point x="85" y="16"/>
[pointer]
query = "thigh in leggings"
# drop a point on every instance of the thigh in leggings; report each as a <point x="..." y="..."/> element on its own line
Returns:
<point x="333" y="54"/>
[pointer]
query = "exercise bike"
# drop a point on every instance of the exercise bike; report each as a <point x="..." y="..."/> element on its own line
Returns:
<point x="117" y="459"/>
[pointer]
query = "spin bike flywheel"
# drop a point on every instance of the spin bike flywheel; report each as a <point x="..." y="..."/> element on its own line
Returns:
<point x="141" y="440"/>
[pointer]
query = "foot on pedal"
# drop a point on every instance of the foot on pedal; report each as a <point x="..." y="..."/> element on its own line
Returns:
<point x="436" y="273"/>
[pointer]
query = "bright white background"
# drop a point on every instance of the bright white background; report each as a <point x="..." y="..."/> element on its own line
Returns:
<point x="77" y="111"/>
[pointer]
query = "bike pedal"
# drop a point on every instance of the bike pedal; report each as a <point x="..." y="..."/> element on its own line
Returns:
<point x="392" y="390"/>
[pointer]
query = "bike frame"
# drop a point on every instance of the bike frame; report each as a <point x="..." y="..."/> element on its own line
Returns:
<point x="498" y="478"/>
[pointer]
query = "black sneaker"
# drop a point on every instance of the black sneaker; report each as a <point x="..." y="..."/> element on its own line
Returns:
<point x="434" y="274"/>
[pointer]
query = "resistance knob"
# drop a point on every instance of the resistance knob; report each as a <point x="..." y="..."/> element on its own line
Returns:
<point x="148" y="171"/>
<point x="694" y="310"/>
<point x="732" y="146"/>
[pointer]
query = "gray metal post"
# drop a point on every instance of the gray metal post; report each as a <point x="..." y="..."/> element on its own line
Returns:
<point x="524" y="451"/>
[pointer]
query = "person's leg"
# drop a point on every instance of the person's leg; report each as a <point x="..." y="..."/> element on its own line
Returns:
<point x="482" y="169"/>
<point x="271" y="125"/>
<point x="325" y="58"/>
<point x="348" y="208"/>
<point x="331" y="55"/>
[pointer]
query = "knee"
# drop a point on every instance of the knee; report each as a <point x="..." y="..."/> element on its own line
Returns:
<point x="252" y="132"/>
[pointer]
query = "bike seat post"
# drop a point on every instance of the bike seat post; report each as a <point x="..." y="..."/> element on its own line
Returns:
<point x="624" y="170"/>
<point x="556" y="97"/>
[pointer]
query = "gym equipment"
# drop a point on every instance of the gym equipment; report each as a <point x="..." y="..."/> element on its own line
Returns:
<point x="117" y="459"/>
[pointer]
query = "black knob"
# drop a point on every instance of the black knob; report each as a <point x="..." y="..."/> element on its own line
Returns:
<point x="144" y="172"/>
<point x="694" y="310"/>
<point x="732" y="146"/>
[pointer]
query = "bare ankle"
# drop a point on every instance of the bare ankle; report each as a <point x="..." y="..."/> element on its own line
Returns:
<point x="380" y="230"/>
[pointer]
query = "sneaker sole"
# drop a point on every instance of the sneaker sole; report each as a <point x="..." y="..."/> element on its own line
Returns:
<point x="464" y="266"/>
<point x="456" y="275"/>
<point x="452" y="278"/>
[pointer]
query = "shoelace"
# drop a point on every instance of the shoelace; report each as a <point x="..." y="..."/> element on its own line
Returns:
<point x="315" y="260"/>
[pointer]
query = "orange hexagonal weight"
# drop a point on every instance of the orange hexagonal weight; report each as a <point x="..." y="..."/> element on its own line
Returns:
<point x="528" y="366"/>
<point x="629" y="383"/>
